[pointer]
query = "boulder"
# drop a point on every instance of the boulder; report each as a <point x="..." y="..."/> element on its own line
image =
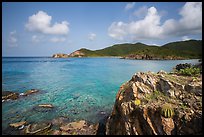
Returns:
<point x="43" y="107"/>
<point x="18" y="124"/>
<point x="59" y="121"/>
<point x="38" y="128"/>
<point x="79" y="128"/>
<point x="29" y="92"/>
<point x="46" y="105"/>
<point x="73" y="125"/>
<point x="6" y="95"/>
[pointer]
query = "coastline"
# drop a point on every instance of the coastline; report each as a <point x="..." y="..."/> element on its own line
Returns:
<point x="102" y="114"/>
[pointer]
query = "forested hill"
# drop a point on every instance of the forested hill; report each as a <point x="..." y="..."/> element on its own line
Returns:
<point x="175" y="50"/>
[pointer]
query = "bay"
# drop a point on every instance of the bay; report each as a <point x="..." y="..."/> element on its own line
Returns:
<point x="78" y="88"/>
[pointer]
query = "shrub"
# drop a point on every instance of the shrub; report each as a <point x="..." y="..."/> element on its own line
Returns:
<point x="190" y="71"/>
<point x="182" y="66"/>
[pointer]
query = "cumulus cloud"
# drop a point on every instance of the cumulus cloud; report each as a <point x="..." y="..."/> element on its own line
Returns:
<point x="57" y="39"/>
<point x="191" y="15"/>
<point x="117" y="30"/>
<point x="141" y="12"/>
<point x="129" y="6"/>
<point x="41" y="22"/>
<point x="12" y="40"/>
<point x="189" y="23"/>
<point x="150" y="26"/>
<point x="92" y="36"/>
<point x="141" y="29"/>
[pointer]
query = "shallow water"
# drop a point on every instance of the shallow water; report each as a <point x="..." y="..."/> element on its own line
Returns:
<point x="79" y="88"/>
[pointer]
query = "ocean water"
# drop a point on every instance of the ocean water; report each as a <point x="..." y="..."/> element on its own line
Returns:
<point x="79" y="88"/>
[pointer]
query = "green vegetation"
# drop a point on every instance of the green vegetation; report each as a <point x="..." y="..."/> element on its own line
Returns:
<point x="191" y="71"/>
<point x="154" y="95"/>
<point x="183" y="49"/>
<point x="181" y="80"/>
<point x="167" y="111"/>
<point x="183" y="106"/>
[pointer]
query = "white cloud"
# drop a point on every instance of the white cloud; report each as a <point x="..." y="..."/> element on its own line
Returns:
<point x="57" y="39"/>
<point x="12" y="40"/>
<point x="184" y="38"/>
<point x="41" y="22"/>
<point x="92" y="36"/>
<point x="129" y="6"/>
<point x="189" y="23"/>
<point x="141" y="12"/>
<point x="191" y="15"/>
<point x="141" y="29"/>
<point x="150" y="26"/>
<point x="36" y="38"/>
<point x="117" y="30"/>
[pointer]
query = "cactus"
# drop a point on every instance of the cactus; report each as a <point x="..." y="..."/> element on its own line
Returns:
<point x="137" y="102"/>
<point x="167" y="111"/>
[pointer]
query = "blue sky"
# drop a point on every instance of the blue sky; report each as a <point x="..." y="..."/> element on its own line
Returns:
<point x="45" y="28"/>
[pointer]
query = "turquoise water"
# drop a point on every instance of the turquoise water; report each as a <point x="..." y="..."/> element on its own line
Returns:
<point x="79" y="88"/>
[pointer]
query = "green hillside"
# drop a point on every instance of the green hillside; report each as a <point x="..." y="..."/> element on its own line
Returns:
<point x="186" y="49"/>
<point x="190" y="48"/>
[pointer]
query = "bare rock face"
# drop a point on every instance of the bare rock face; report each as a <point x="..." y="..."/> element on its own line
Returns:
<point x="157" y="104"/>
<point x="60" y="55"/>
<point x="77" y="54"/>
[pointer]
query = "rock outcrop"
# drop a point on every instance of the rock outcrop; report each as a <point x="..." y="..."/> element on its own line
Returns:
<point x="78" y="128"/>
<point x="60" y="55"/>
<point x="150" y="57"/>
<point x="18" y="124"/>
<point x="73" y="54"/>
<point x="157" y="104"/>
<point x="77" y="54"/>
<point x="43" y="107"/>
<point x="31" y="91"/>
<point x="38" y="128"/>
<point x="9" y="95"/>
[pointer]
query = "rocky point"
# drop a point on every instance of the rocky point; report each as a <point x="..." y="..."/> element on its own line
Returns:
<point x="157" y="104"/>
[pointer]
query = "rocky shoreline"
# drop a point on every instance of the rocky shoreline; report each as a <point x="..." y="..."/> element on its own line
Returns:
<point x="157" y="104"/>
<point x="150" y="57"/>
<point x="73" y="54"/>
<point x="80" y="54"/>
<point x="148" y="104"/>
<point x="58" y="126"/>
